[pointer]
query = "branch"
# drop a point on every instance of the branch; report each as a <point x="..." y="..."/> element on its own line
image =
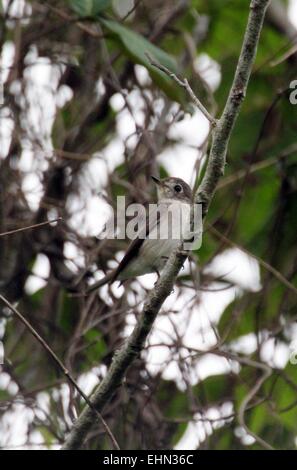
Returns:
<point x="22" y="229"/>
<point x="277" y="274"/>
<point x="247" y="399"/>
<point x="222" y="132"/>
<point x="130" y="350"/>
<point x="184" y="84"/>
<point x="61" y="366"/>
<point x="133" y="346"/>
<point x="245" y="405"/>
<point x="254" y="167"/>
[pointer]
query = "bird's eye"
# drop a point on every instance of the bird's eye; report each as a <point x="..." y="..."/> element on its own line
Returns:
<point x="178" y="188"/>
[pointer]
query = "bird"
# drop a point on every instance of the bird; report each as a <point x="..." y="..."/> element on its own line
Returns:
<point x="149" y="251"/>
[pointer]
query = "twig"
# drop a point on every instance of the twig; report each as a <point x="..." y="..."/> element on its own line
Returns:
<point x="62" y="367"/>
<point x="134" y="344"/>
<point x="29" y="227"/>
<point x="223" y="130"/>
<point x="245" y="404"/>
<point x="184" y="84"/>
<point x="132" y="10"/>
<point x="84" y="157"/>
<point x="287" y="152"/>
<point x="284" y="57"/>
<point x="263" y="263"/>
<point x="124" y="357"/>
<point x="79" y="24"/>
<point x="250" y="395"/>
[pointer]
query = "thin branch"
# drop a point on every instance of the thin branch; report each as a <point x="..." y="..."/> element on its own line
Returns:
<point x="223" y="130"/>
<point x="284" y="57"/>
<point x="255" y="167"/>
<point x="135" y="6"/>
<point x="247" y="399"/>
<point x="79" y="24"/>
<point x="277" y="274"/>
<point x="133" y="346"/>
<point x="245" y="405"/>
<point x="130" y="350"/>
<point x="184" y="84"/>
<point x="29" y="227"/>
<point x="61" y="366"/>
<point x="84" y="157"/>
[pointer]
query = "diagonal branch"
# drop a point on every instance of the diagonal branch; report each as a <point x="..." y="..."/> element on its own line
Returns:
<point x="61" y="367"/>
<point x="248" y="398"/>
<point x="130" y="350"/>
<point x="184" y="84"/>
<point x="23" y="229"/>
<point x="222" y="131"/>
<point x="277" y="274"/>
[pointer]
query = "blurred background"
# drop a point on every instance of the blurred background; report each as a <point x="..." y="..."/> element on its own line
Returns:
<point x="84" y="118"/>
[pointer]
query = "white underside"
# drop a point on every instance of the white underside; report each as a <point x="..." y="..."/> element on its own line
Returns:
<point x="156" y="249"/>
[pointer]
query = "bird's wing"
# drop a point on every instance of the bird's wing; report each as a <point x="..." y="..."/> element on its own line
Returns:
<point x="133" y="249"/>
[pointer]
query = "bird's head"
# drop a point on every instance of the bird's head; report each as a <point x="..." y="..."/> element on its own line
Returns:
<point x="173" y="188"/>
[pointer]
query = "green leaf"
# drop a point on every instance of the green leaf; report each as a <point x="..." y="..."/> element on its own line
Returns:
<point x="136" y="47"/>
<point x="240" y="315"/>
<point x="96" y="346"/>
<point x="46" y="434"/>
<point x="174" y="403"/>
<point x="256" y="208"/>
<point x="222" y="439"/>
<point x="67" y="305"/>
<point x="179" y="432"/>
<point x="89" y="7"/>
<point x="284" y="396"/>
<point x="214" y="389"/>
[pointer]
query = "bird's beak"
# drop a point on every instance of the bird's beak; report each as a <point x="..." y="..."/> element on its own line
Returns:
<point x="156" y="180"/>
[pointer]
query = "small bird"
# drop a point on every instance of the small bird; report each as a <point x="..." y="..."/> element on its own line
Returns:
<point x="156" y="240"/>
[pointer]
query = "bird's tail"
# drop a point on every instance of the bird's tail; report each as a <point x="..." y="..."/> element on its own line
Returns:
<point x="109" y="276"/>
